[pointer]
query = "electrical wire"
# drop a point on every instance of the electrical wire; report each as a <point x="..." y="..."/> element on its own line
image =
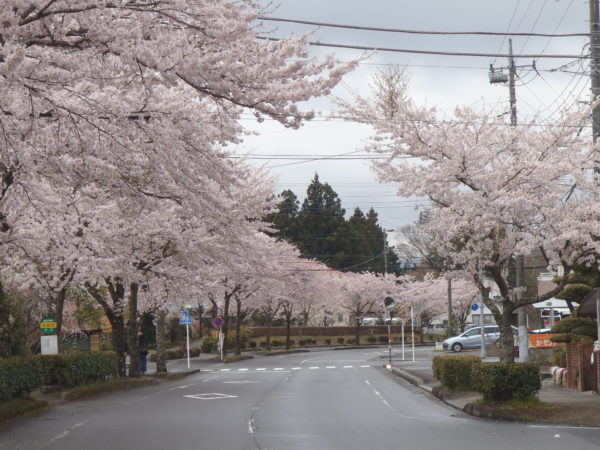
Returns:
<point x="425" y="52"/>
<point x="407" y="31"/>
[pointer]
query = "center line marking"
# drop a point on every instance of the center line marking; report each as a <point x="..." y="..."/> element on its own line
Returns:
<point x="242" y="370"/>
<point x="262" y="368"/>
<point x="347" y="367"/>
<point x="330" y="367"/>
<point x="313" y="367"/>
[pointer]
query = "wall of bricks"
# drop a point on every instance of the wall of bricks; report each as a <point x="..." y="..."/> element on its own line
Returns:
<point x="579" y="366"/>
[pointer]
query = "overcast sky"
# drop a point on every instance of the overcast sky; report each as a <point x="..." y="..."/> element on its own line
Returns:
<point x="441" y="81"/>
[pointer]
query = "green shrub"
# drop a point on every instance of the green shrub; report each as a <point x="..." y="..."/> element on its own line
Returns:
<point x="372" y="339"/>
<point x="194" y="352"/>
<point x="19" y="376"/>
<point x="341" y="340"/>
<point x="263" y="343"/>
<point x="208" y="343"/>
<point x="74" y="368"/>
<point x="454" y="372"/>
<point x="351" y="341"/>
<point x="559" y="356"/>
<point x="575" y="329"/>
<point x="383" y="339"/>
<point x="302" y="342"/>
<point x="505" y="381"/>
<point x="327" y="341"/>
<point x="275" y="343"/>
<point x="292" y="342"/>
<point x="252" y="344"/>
<point x="245" y="335"/>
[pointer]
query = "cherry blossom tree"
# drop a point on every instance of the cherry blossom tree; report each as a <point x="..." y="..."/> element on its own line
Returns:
<point x="496" y="191"/>
<point x="118" y="113"/>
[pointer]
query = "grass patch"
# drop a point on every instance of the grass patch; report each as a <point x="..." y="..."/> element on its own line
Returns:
<point x="19" y="407"/>
<point x="100" y="387"/>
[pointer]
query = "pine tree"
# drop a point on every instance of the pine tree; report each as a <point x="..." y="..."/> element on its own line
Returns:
<point x="320" y="231"/>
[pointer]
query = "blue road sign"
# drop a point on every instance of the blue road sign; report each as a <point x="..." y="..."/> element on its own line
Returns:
<point x="474" y="306"/>
<point x="185" y="319"/>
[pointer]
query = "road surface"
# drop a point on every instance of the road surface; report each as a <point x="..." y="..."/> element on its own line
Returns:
<point x="318" y="400"/>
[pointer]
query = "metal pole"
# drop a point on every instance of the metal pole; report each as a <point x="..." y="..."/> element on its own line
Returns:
<point x="187" y="335"/>
<point x="511" y="81"/>
<point x="384" y="252"/>
<point x="412" y="331"/>
<point x="523" y="338"/>
<point x="481" y="319"/>
<point x="403" y="340"/>
<point x="449" y="326"/>
<point x="390" y="343"/>
<point x="595" y="63"/>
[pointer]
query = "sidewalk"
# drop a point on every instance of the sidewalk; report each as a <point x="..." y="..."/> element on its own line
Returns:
<point x="566" y="406"/>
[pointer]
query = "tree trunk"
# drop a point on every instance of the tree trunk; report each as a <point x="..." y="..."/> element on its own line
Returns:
<point x="132" y="329"/>
<point x="115" y="315"/>
<point x="357" y="341"/>
<point x="5" y="339"/>
<point x="161" y="342"/>
<point x="507" y="349"/>
<point x="238" y="327"/>
<point x="225" y="327"/>
<point x="58" y="311"/>
<point x="200" y="322"/>
<point x="288" y="330"/>
<point x="269" y="323"/>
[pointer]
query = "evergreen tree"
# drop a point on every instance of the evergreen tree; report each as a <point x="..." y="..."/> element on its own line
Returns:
<point x="320" y="231"/>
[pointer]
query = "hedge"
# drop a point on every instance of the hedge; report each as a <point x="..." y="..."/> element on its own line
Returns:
<point x="22" y="375"/>
<point x="454" y="372"/>
<point x="504" y="381"/>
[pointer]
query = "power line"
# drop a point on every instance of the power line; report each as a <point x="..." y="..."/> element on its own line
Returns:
<point x="426" y="52"/>
<point x="407" y="31"/>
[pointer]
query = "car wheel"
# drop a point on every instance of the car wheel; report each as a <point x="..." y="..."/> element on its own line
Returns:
<point x="457" y="347"/>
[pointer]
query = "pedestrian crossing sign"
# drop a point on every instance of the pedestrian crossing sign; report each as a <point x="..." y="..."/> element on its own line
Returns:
<point x="185" y="319"/>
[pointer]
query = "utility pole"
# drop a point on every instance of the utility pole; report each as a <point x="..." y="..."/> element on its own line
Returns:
<point x="595" y="64"/>
<point x="500" y="77"/>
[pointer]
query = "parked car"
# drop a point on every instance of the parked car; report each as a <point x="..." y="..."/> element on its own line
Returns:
<point x="471" y="338"/>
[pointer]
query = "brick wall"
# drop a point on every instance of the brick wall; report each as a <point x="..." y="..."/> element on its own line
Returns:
<point x="579" y="366"/>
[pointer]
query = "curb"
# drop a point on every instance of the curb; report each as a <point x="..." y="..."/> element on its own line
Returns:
<point x="417" y="381"/>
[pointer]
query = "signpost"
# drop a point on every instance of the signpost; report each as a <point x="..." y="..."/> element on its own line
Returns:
<point x="390" y="306"/>
<point x="186" y="320"/>
<point x="49" y="340"/>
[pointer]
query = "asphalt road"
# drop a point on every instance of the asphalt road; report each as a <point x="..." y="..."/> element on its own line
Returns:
<point x="318" y="400"/>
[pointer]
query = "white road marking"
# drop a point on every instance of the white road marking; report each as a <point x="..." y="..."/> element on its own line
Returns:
<point x="242" y="370"/>
<point x="59" y="436"/>
<point x="380" y="396"/>
<point x="365" y="366"/>
<point x="212" y="396"/>
<point x="313" y="368"/>
<point x="350" y="367"/>
<point x="296" y="368"/>
<point x="250" y="426"/>
<point x="242" y="382"/>
<point x="66" y="432"/>
<point x="180" y="387"/>
<point x="330" y="367"/>
<point x="566" y="427"/>
<point x="281" y="368"/>
<point x="262" y="368"/>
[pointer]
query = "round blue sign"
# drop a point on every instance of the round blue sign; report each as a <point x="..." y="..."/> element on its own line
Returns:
<point x="218" y="322"/>
<point x="474" y="306"/>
